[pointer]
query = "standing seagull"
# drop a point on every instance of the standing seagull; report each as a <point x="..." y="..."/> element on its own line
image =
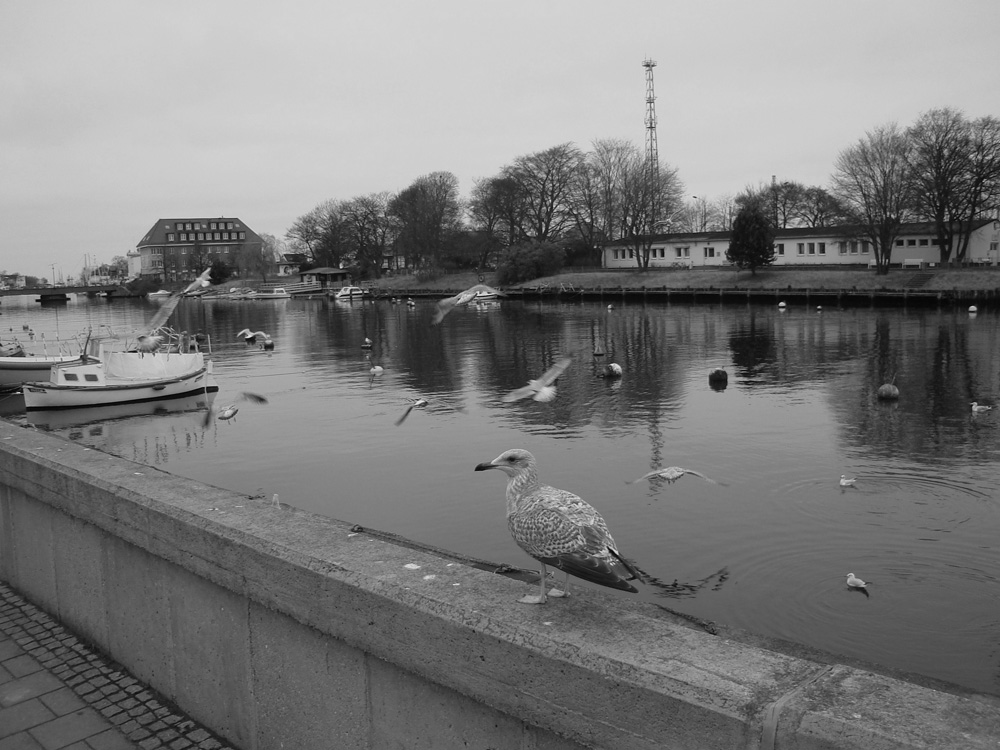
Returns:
<point x="557" y="528"/>
<point x="543" y="388"/>
<point x="671" y="474"/>
<point x="445" y="306"/>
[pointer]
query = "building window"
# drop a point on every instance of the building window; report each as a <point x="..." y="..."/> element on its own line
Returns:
<point x="201" y="236"/>
<point x="178" y="226"/>
<point x="899" y="243"/>
<point x="170" y="237"/>
<point x="864" y="247"/>
<point x="225" y="235"/>
<point x="923" y="242"/>
<point x="911" y="243"/>
<point x="216" y="236"/>
<point x="812" y="248"/>
<point x="229" y="225"/>
<point x="188" y="225"/>
<point x="802" y="248"/>
<point x="842" y="247"/>
<point x="822" y="248"/>
<point x="214" y="226"/>
<point x="243" y="236"/>
<point x="709" y="252"/>
<point x="779" y="249"/>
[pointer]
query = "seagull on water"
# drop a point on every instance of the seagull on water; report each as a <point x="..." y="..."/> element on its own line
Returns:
<point x="978" y="408"/>
<point x="558" y="528"/>
<point x="445" y="306"/>
<point x="543" y="388"/>
<point x="854" y="582"/>
<point x="228" y="412"/>
<point x="612" y="371"/>
<point x="846" y="481"/>
<point x="671" y="474"/>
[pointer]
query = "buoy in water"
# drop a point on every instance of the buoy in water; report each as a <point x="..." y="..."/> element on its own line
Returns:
<point x="887" y="392"/>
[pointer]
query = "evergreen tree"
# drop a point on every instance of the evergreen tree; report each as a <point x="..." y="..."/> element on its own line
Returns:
<point x="752" y="243"/>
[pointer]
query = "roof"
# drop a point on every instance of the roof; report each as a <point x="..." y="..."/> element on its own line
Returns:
<point x="328" y="271"/>
<point x="157" y="235"/>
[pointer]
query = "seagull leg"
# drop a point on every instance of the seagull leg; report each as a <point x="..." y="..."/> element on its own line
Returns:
<point x="540" y="599"/>
<point x="564" y="591"/>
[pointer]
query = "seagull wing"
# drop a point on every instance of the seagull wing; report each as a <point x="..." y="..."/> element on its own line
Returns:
<point x="647" y="475"/>
<point x="405" y="415"/>
<point x="200" y="282"/>
<point x="484" y="288"/>
<point x="699" y="474"/>
<point x="550" y="375"/>
<point x="520" y="393"/>
<point x="254" y="398"/>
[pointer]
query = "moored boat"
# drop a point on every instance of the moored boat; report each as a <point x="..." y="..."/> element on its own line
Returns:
<point x="161" y="294"/>
<point x="276" y="293"/>
<point x="19" y="365"/>
<point x="125" y="375"/>
<point x="350" y="293"/>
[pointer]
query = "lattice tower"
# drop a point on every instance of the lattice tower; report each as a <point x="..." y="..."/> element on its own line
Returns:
<point x="652" y="150"/>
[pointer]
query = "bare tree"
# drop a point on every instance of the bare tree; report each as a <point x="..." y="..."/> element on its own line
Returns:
<point x="545" y="182"/>
<point x="426" y="212"/>
<point x="872" y="180"/>
<point x="369" y="231"/>
<point x="646" y="195"/>
<point x="955" y="166"/>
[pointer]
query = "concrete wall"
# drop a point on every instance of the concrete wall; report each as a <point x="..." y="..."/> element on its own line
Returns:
<point x="279" y="628"/>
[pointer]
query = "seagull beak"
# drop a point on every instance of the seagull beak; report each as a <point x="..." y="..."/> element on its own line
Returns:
<point x="485" y="466"/>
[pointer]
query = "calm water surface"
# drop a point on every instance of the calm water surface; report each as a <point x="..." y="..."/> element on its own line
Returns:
<point x="767" y="552"/>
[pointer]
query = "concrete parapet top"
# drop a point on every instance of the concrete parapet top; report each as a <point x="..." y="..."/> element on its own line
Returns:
<point x="595" y="668"/>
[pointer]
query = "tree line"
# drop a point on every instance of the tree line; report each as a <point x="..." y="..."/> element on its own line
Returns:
<point x="561" y="205"/>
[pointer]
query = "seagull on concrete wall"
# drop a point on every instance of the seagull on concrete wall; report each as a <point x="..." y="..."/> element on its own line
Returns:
<point x="558" y="528"/>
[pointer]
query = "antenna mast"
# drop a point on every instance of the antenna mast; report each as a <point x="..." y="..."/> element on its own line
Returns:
<point x="652" y="151"/>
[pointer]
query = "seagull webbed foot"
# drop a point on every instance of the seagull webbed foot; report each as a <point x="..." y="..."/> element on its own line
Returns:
<point x="532" y="600"/>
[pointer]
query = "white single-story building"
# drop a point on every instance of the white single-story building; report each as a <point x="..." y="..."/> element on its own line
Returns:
<point x="916" y="246"/>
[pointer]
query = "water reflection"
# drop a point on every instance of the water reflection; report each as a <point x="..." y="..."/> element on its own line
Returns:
<point x="767" y="553"/>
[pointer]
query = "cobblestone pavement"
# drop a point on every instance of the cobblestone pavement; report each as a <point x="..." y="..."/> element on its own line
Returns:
<point x="56" y="692"/>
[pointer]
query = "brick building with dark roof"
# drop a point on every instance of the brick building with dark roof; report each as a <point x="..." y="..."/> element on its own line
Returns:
<point x="176" y="249"/>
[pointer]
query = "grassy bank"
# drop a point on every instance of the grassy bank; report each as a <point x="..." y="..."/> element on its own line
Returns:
<point x="728" y="278"/>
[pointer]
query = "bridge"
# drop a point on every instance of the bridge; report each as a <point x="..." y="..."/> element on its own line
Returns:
<point x="60" y="293"/>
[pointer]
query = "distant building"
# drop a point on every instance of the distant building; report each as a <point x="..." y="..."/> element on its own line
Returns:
<point x="290" y="263"/>
<point x="174" y="249"/>
<point x="916" y="245"/>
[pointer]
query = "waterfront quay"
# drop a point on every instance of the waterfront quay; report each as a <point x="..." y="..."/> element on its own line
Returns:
<point x="275" y="627"/>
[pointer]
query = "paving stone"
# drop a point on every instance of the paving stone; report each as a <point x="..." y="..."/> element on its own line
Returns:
<point x="20" y="741"/>
<point x="110" y="740"/>
<point x="62" y="701"/>
<point x="22" y="665"/>
<point x="73" y="727"/>
<point x="26" y="688"/>
<point x="23" y="716"/>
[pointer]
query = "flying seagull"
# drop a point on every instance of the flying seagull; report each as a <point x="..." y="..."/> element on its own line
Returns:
<point x="671" y="474"/>
<point x="415" y="403"/>
<point x="543" y="388"/>
<point x="146" y="343"/>
<point x="557" y="528"/>
<point x="251" y="337"/>
<point x="167" y="308"/>
<point x="228" y="412"/>
<point x="445" y="306"/>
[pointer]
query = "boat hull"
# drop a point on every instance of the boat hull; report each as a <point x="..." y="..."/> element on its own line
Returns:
<point x="50" y="396"/>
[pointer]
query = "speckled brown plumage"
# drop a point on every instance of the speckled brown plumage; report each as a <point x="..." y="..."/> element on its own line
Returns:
<point x="558" y="528"/>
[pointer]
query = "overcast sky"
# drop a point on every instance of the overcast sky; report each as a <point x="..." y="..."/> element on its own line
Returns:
<point x="115" y="113"/>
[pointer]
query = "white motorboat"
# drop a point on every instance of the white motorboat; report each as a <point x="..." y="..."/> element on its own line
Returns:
<point x="277" y="293"/>
<point x="125" y="375"/>
<point x="350" y="293"/>
<point x="161" y="294"/>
